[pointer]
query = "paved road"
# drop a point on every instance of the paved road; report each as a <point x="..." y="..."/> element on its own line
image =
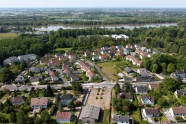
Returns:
<point x="65" y="82"/>
<point x="99" y="70"/>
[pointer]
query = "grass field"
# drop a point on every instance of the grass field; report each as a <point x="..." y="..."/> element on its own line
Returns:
<point x="111" y="69"/>
<point x="7" y="35"/>
<point x="65" y="49"/>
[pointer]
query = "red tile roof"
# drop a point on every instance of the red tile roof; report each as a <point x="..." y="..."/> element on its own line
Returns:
<point x="39" y="101"/>
<point x="63" y="115"/>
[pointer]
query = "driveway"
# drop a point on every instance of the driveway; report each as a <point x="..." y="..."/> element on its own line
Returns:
<point x="168" y="115"/>
<point x="65" y="82"/>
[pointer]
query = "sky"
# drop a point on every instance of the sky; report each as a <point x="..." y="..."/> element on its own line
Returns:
<point x="92" y="3"/>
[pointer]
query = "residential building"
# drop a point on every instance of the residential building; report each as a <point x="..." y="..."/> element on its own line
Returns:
<point x="62" y="117"/>
<point x="57" y="55"/>
<point x="87" y="54"/>
<point x="10" y="60"/>
<point x="178" y="111"/>
<point x="34" y="79"/>
<point x="18" y="100"/>
<point x="153" y="86"/>
<point x="90" y="75"/>
<point x="143" y="79"/>
<point x="66" y="98"/>
<point x="126" y="96"/>
<point x="179" y="93"/>
<point x="73" y="77"/>
<point x="27" y="57"/>
<point x="147" y="99"/>
<point x="177" y="74"/>
<point x="151" y="112"/>
<point x="121" y="36"/>
<point x="90" y="114"/>
<point x="143" y="72"/>
<point x="129" y="71"/>
<point x="37" y="103"/>
<point x="53" y="76"/>
<point x="35" y="69"/>
<point x="44" y="61"/>
<point x="63" y="58"/>
<point x="95" y="57"/>
<point x="54" y="62"/>
<point x="141" y="89"/>
<point x="20" y="78"/>
<point x="121" y="119"/>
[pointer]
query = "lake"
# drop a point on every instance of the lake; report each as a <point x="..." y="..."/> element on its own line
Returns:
<point x="126" y="26"/>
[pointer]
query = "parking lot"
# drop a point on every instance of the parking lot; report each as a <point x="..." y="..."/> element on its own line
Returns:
<point x="100" y="97"/>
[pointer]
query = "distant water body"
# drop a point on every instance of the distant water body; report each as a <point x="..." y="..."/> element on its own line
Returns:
<point x="126" y="26"/>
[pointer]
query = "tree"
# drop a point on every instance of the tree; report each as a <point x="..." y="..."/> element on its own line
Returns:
<point x="5" y="74"/>
<point x="57" y="99"/>
<point x="77" y="87"/>
<point x="171" y="68"/>
<point x="21" y="117"/>
<point x="117" y="88"/>
<point x="126" y="87"/>
<point x="71" y="104"/>
<point x="53" y="109"/>
<point x="23" y="65"/>
<point x="12" y="117"/>
<point x="42" y="93"/>
<point x="49" y="92"/>
<point x="162" y="101"/>
<point x="45" y="117"/>
<point x="38" y="121"/>
<point x="3" y="119"/>
<point x="8" y="109"/>
<point x="164" y="67"/>
<point x="183" y="99"/>
<point x="7" y="103"/>
<point x="1" y="106"/>
<point x="147" y="63"/>
<point x="144" y="122"/>
<point x="60" y="107"/>
<point x="155" y="68"/>
<point x="169" y="84"/>
<point x="14" y="94"/>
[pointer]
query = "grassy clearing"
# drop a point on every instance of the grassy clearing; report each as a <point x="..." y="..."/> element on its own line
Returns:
<point x="111" y="69"/>
<point x="164" y="119"/>
<point x="7" y="35"/>
<point x="106" y="118"/>
<point x="5" y="97"/>
<point x="65" y="49"/>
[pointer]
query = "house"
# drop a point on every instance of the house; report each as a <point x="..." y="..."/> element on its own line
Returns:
<point x="139" y="63"/>
<point x="151" y="112"/>
<point x="63" y="58"/>
<point x="57" y="55"/>
<point x="143" y="79"/>
<point x="121" y="119"/>
<point x="121" y="36"/>
<point x="10" y="60"/>
<point x="20" y="78"/>
<point x="178" y="111"/>
<point x="44" y="61"/>
<point x="148" y="50"/>
<point x="95" y="57"/>
<point x="90" y="114"/>
<point x="73" y="77"/>
<point x="121" y="54"/>
<point x="96" y="53"/>
<point x="155" y="51"/>
<point x="126" y="96"/>
<point x="37" y="103"/>
<point x="54" y="62"/>
<point x="133" y="54"/>
<point x="143" y="55"/>
<point x="143" y="48"/>
<point x="177" y="74"/>
<point x="49" y="56"/>
<point x="27" y="57"/>
<point x="66" y="98"/>
<point x="179" y="93"/>
<point x="34" y="79"/>
<point x="161" y="76"/>
<point x="129" y="46"/>
<point x="153" y="86"/>
<point x="90" y="75"/>
<point x="62" y="117"/>
<point x="142" y="72"/>
<point x="53" y="77"/>
<point x="129" y="71"/>
<point x="103" y="57"/>
<point x="17" y="100"/>
<point x="137" y="46"/>
<point x="150" y="55"/>
<point x="141" y="90"/>
<point x="126" y="52"/>
<point x="147" y="99"/>
<point x="87" y="54"/>
<point x="35" y="69"/>
<point x="105" y="48"/>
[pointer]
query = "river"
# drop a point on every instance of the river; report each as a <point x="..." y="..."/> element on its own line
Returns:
<point x="126" y="26"/>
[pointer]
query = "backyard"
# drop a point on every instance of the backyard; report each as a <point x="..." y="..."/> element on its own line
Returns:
<point x="7" y="35"/>
<point x="111" y="69"/>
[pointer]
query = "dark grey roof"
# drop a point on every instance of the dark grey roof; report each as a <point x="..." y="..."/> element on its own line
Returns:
<point x="121" y="118"/>
<point x="181" y="92"/>
<point x="18" y="99"/>
<point x="180" y="72"/>
<point x="144" y="79"/>
<point x="127" y="95"/>
<point x="128" y="70"/>
<point x="141" y="88"/>
<point x="90" y="111"/>
<point x="151" y="98"/>
<point x="152" y="111"/>
<point x="66" y="97"/>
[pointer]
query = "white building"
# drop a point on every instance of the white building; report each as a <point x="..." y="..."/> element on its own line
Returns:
<point x="27" y="57"/>
<point x="10" y="60"/>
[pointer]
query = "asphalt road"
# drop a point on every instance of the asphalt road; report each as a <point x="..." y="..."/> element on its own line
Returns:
<point x="65" y="82"/>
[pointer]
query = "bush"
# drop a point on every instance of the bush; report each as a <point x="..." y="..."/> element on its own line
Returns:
<point x="101" y="93"/>
<point x="96" y="97"/>
<point x="101" y="97"/>
<point x="97" y="93"/>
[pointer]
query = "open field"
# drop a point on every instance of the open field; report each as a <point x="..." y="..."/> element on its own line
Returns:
<point x="65" y="49"/>
<point x="104" y="103"/>
<point x="111" y="69"/>
<point x="7" y="35"/>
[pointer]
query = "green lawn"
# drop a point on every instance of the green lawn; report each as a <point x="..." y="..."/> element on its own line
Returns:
<point x="164" y="119"/>
<point x="7" y="35"/>
<point x="65" y="49"/>
<point x="111" y="69"/>
<point x="106" y="118"/>
<point x="134" y="115"/>
<point x="5" y="97"/>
